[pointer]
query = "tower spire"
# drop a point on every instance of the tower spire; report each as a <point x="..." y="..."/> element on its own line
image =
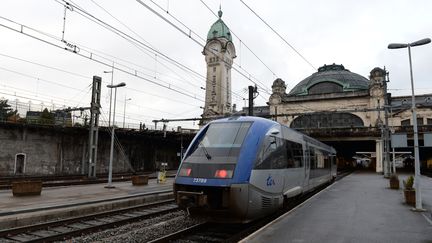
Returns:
<point x="220" y="11"/>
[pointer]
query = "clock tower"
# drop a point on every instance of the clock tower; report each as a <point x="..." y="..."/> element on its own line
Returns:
<point x="219" y="53"/>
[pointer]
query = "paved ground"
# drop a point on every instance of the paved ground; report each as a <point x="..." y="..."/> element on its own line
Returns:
<point x="72" y="201"/>
<point x="358" y="208"/>
<point x="59" y="196"/>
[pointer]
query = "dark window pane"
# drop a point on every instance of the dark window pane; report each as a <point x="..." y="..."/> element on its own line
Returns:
<point x="325" y="88"/>
<point x="273" y="154"/>
<point x="420" y="121"/>
<point x="406" y="122"/>
<point x="327" y="120"/>
<point x="294" y="154"/>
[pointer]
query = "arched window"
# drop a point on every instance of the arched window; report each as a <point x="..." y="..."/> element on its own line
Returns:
<point x="327" y="120"/>
<point x="20" y="163"/>
<point x="325" y="88"/>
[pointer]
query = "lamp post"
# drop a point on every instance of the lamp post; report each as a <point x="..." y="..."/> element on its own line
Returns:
<point x="425" y="41"/>
<point x="124" y="111"/>
<point x="109" y="185"/>
<point x="112" y="78"/>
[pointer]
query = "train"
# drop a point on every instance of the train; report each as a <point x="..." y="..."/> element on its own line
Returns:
<point x="242" y="168"/>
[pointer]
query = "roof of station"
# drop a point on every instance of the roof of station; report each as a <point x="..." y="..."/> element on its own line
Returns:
<point x="333" y="74"/>
<point x="219" y="29"/>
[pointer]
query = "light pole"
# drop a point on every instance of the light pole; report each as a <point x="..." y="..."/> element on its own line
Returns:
<point x="425" y="41"/>
<point x="124" y="111"/>
<point x="109" y="185"/>
<point x="112" y="78"/>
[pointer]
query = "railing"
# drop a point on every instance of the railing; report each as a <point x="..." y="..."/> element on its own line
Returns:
<point x="360" y="131"/>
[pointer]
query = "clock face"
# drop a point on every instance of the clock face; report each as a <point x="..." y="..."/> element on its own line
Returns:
<point x="214" y="47"/>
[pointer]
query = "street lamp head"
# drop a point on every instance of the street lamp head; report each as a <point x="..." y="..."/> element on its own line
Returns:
<point x="116" y="85"/>
<point x="397" y="46"/>
<point x="415" y="43"/>
<point x="421" y="42"/>
<point x="108" y="71"/>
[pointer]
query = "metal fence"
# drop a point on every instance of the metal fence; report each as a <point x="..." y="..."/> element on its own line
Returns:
<point x="29" y="113"/>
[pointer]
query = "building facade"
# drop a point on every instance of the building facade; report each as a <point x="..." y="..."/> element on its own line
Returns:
<point x="219" y="53"/>
<point x="348" y="110"/>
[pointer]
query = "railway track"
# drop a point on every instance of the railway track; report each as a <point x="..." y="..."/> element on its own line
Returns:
<point x="68" y="228"/>
<point x="206" y="232"/>
<point x="218" y="232"/>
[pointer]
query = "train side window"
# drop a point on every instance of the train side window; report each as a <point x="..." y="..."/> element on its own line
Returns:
<point x="312" y="158"/>
<point x="280" y="155"/>
<point x="294" y="154"/>
<point x="328" y="160"/>
<point x="320" y="160"/>
<point x="272" y="155"/>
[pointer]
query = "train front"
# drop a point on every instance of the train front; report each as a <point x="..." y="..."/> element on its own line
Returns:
<point x="213" y="177"/>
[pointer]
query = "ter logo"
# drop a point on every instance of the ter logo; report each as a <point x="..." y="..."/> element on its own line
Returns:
<point x="270" y="181"/>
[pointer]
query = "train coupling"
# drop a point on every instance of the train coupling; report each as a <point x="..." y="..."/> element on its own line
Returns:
<point x="191" y="199"/>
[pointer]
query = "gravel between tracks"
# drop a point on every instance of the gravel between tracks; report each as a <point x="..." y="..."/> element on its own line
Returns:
<point x="142" y="231"/>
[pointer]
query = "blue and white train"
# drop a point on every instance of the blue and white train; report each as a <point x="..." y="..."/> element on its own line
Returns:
<point x="241" y="168"/>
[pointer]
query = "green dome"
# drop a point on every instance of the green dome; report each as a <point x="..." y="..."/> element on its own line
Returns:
<point x="219" y="29"/>
<point x="330" y="79"/>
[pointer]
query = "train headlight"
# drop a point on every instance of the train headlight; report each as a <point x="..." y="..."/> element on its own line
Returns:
<point x="223" y="173"/>
<point x="185" y="172"/>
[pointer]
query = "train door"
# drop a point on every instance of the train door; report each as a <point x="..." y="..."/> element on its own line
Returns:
<point x="294" y="170"/>
<point x="267" y="174"/>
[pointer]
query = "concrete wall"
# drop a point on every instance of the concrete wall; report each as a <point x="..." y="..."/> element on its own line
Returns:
<point x="55" y="150"/>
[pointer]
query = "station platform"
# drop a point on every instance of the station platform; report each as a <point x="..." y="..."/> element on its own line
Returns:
<point x="359" y="208"/>
<point x="71" y="201"/>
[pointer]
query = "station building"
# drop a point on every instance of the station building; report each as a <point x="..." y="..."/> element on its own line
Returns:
<point x="350" y="112"/>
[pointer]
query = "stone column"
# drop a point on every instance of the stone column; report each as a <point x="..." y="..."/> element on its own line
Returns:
<point x="379" y="155"/>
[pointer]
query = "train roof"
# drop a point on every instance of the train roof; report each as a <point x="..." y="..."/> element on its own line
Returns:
<point x="246" y="119"/>
<point x="269" y="123"/>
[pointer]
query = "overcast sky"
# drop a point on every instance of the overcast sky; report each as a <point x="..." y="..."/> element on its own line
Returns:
<point x="348" y="32"/>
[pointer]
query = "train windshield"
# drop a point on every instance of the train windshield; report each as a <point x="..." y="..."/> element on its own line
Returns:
<point x="221" y="143"/>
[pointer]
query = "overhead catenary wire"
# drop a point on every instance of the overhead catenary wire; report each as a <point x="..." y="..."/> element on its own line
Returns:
<point x="190" y="32"/>
<point x="122" y="34"/>
<point x="248" y="76"/>
<point x="118" y="145"/>
<point x="40" y="79"/>
<point x="43" y="101"/>
<point x="280" y="36"/>
<point x="242" y="43"/>
<point x="127" y="36"/>
<point x="46" y="66"/>
<point x="31" y="93"/>
<point x="87" y="78"/>
<point x="91" y="56"/>
<point x="192" y="38"/>
<point x="147" y="52"/>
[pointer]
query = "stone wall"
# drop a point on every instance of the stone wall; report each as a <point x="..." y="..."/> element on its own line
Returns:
<point x="50" y="150"/>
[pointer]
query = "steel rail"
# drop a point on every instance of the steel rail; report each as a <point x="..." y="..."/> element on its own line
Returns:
<point x="45" y="232"/>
